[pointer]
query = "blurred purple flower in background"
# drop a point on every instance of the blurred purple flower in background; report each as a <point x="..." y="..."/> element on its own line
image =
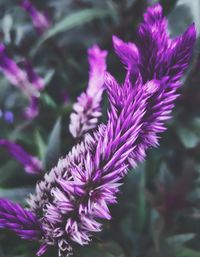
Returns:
<point x="87" y="109"/>
<point x="26" y="80"/>
<point x="40" y="21"/>
<point x="8" y="116"/>
<point x="32" y="165"/>
<point x="15" y="75"/>
<point x="72" y="198"/>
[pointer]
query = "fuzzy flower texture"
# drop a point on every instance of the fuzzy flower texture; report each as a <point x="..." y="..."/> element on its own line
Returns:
<point x="25" y="79"/>
<point x="87" y="109"/>
<point x="74" y="197"/>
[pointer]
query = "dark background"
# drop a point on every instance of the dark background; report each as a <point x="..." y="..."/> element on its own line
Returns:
<point x="158" y="214"/>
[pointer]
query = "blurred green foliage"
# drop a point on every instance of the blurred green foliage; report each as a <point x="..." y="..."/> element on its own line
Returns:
<point x="158" y="214"/>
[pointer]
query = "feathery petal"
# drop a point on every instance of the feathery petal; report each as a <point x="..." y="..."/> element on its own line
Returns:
<point x="87" y="109"/>
<point x="23" y="222"/>
<point x="32" y="165"/>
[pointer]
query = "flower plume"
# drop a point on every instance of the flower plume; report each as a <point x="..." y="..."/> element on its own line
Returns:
<point x="87" y="109"/>
<point x="40" y="21"/>
<point x="23" y="222"/>
<point x="32" y="165"/>
<point x="15" y="75"/>
<point x="75" y="195"/>
<point x="26" y="80"/>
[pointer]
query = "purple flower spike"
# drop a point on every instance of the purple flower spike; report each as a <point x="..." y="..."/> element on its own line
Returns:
<point x="32" y="165"/>
<point x="75" y="196"/>
<point x="128" y="53"/>
<point x="87" y="109"/>
<point x="15" y="75"/>
<point x="161" y="59"/>
<point x="26" y="80"/>
<point x="24" y="223"/>
<point x="40" y="21"/>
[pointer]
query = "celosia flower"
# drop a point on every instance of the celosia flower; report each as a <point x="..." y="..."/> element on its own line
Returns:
<point x="40" y="21"/>
<point x="23" y="222"/>
<point x="72" y="199"/>
<point x="26" y="80"/>
<point x="8" y="116"/>
<point x="15" y="75"/>
<point x="87" y="109"/>
<point x="31" y="164"/>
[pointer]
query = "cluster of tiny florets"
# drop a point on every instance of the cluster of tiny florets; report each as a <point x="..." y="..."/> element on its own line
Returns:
<point x="75" y="196"/>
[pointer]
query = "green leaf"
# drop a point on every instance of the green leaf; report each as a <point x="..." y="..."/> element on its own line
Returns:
<point x="179" y="19"/>
<point x="194" y="8"/>
<point x="178" y="240"/>
<point x="49" y="75"/>
<point x="195" y="125"/>
<point x="188" y="137"/>
<point x="186" y="252"/>
<point x="75" y="19"/>
<point x="41" y="146"/>
<point x="48" y="100"/>
<point x="7" y="23"/>
<point x="53" y="146"/>
<point x="71" y="21"/>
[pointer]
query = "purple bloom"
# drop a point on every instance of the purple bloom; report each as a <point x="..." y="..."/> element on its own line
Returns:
<point x="87" y="109"/>
<point x="15" y="75"/>
<point x="32" y="165"/>
<point x="40" y="21"/>
<point x="8" y="116"/>
<point x="87" y="181"/>
<point x="26" y="80"/>
<point x="75" y="195"/>
<point x="23" y="222"/>
<point x="158" y="58"/>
